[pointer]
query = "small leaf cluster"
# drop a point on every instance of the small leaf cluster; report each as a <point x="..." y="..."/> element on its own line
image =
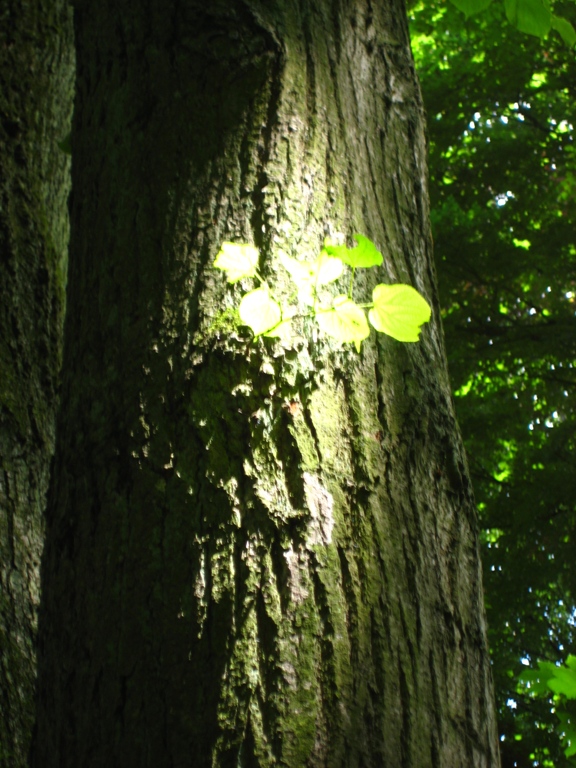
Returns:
<point x="397" y="310"/>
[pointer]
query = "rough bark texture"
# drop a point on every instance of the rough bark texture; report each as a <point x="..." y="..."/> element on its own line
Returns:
<point x="258" y="554"/>
<point x="36" y="77"/>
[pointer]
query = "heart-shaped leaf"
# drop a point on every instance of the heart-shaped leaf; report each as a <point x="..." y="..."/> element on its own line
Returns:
<point x="537" y="679"/>
<point x="564" y="679"/>
<point x="260" y="312"/>
<point x="284" y="329"/>
<point x="239" y="260"/>
<point x="364" y="255"/>
<point x="326" y="268"/>
<point x="565" y="29"/>
<point x="344" y="321"/>
<point x="531" y="16"/>
<point x="399" y="310"/>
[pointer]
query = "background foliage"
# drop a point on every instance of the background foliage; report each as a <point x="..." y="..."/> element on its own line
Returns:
<point x="502" y="110"/>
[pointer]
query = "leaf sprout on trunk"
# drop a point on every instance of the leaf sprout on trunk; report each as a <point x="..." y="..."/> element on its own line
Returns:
<point x="397" y="310"/>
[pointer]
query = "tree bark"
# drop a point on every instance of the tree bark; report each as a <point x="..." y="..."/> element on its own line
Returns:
<point x="258" y="553"/>
<point x="36" y="77"/>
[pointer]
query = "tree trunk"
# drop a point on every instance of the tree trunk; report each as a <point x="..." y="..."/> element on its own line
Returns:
<point x="258" y="553"/>
<point x="36" y="77"/>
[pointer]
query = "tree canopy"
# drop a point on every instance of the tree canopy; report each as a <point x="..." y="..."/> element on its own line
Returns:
<point x="501" y="113"/>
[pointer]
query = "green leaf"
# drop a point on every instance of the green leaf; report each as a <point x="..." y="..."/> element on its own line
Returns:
<point x="239" y="260"/>
<point x="470" y="7"/>
<point x="566" y="30"/>
<point x="537" y="679"/>
<point x="564" y="679"/>
<point x="260" y="312"/>
<point x="364" y="255"/>
<point x="399" y="310"/>
<point x="298" y="270"/>
<point x="344" y="321"/>
<point x="549" y="677"/>
<point x="283" y="329"/>
<point x="326" y="269"/>
<point x="530" y="16"/>
<point x="564" y="682"/>
<point x="568" y="728"/>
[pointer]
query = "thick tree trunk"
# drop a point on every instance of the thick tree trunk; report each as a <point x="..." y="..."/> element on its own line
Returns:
<point x="257" y="554"/>
<point x="36" y="78"/>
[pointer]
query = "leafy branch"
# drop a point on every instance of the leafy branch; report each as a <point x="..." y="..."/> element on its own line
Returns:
<point x="397" y="310"/>
<point x="550" y="678"/>
<point x="534" y="17"/>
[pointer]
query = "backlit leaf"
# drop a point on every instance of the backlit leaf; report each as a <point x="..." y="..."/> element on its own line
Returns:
<point x="283" y="329"/>
<point x="564" y="679"/>
<point x="530" y="16"/>
<point x="565" y="29"/>
<point x="537" y="679"/>
<point x="364" y="255"/>
<point x="327" y="268"/>
<point x="260" y="312"/>
<point x="239" y="260"/>
<point x="298" y="270"/>
<point x="344" y="321"/>
<point x="399" y="310"/>
<point x="568" y="727"/>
